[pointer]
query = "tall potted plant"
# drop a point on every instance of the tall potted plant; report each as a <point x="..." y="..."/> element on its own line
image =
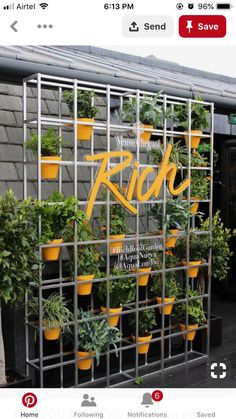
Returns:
<point x="151" y="113"/>
<point x="194" y="313"/>
<point x="50" y="150"/>
<point x="199" y="120"/>
<point x="176" y="218"/>
<point x="86" y="111"/>
<point x="19" y="256"/>
<point x="56" y="213"/>
<point x="171" y="288"/>
<point x="121" y="291"/>
<point x="94" y="336"/>
<point x="196" y="253"/>
<point x="118" y="226"/>
<point x="146" y="323"/>
<point x="56" y="314"/>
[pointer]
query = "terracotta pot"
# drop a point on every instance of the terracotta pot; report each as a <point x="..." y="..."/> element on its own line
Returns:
<point x="143" y="279"/>
<point x="146" y="136"/>
<point x="85" y="289"/>
<point x="113" y="321"/>
<point x="145" y="340"/>
<point x="49" y="171"/>
<point x="192" y="328"/>
<point x="169" y="307"/>
<point x="116" y="247"/>
<point x="51" y="254"/>
<point x="193" y="270"/>
<point x="84" y="132"/>
<point x="171" y="241"/>
<point x="195" y="138"/>
<point x="85" y="364"/>
<point x="52" y="334"/>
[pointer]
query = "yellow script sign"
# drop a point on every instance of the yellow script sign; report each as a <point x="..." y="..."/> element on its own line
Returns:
<point x="137" y="180"/>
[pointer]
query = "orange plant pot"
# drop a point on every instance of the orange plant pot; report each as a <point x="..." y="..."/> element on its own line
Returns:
<point x="193" y="270"/>
<point x="49" y="170"/>
<point x="85" y="289"/>
<point x="51" y="254"/>
<point x="143" y="279"/>
<point x="84" y="132"/>
<point x="146" y="136"/>
<point x="192" y="328"/>
<point x="195" y="138"/>
<point x="116" y="247"/>
<point x="171" y="241"/>
<point x="52" y="334"/>
<point x="145" y="340"/>
<point x="167" y="309"/>
<point x="84" y="364"/>
<point x="112" y="321"/>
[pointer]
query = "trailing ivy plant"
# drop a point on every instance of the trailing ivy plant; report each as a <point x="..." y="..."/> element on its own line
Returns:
<point x="85" y="109"/>
<point x="151" y="112"/>
<point x="220" y="245"/>
<point x="19" y="256"/>
<point x="94" y="335"/>
<point x="121" y="290"/>
<point x="146" y="320"/>
<point x="55" y="311"/>
<point x="118" y="215"/>
<point x="199" y="115"/>
<point x="50" y="143"/>
<point x="194" y="311"/>
<point x="177" y="214"/>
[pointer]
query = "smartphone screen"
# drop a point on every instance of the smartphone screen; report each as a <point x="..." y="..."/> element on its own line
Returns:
<point x="117" y="209"/>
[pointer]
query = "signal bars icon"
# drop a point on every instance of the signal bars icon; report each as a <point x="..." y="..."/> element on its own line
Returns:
<point x="9" y="7"/>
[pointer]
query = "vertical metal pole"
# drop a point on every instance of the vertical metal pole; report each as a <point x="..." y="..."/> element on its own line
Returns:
<point x="60" y="256"/>
<point x="137" y="239"/>
<point x="75" y="91"/>
<point x="108" y="100"/>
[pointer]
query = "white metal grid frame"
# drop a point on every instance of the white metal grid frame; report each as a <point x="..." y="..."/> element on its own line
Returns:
<point x="165" y="333"/>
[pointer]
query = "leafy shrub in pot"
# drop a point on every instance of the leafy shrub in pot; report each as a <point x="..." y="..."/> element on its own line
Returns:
<point x="147" y="321"/>
<point x="194" y="313"/>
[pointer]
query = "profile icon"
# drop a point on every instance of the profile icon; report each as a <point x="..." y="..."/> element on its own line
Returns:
<point x="88" y="403"/>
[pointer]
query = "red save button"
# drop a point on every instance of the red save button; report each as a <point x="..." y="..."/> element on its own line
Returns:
<point x="197" y="26"/>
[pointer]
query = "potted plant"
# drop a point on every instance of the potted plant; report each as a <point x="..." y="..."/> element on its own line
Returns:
<point x="176" y="218"/>
<point x="117" y="224"/>
<point x="178" y="155"/>
<point x="196" y="253"/>
<point x="55" y="314"/>
<point x="146" y="322"/>
<point x="199" y="120"/>
<point x="56" y="213"/>
<point x="19" y="256"/>
<point x="151" y="113"/>
<point x="86" y="111"/>
<point x="121" y="291"/>
<point x="94" y="336"/>
<point x="170" y="284"/>
<point x="199" y="188"/>
<point x="194" y="313"/>
<point x="50" y="150"/>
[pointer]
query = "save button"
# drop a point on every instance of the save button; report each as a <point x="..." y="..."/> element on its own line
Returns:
<point x="197" y="26"/>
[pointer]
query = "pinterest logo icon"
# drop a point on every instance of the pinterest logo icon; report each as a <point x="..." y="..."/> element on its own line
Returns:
<point x="29" y="400"/>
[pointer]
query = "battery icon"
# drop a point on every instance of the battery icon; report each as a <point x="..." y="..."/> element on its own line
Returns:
<point x="224" y="6"/>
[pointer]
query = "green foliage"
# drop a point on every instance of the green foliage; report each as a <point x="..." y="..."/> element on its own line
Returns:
<point x="197" y="251"/>
<point x="138" y="381"/>
<point x="220" y="245"/>
<point x="178" y="155"/>
<point x="50" y="143"/>
<point x="19" y="257"/>
<point x="118" y="215"/>
<point x="199" y="115"/>
<point x="147" y="321"/>
<point x="121" y="290"/>
<point x="199" y="184"/>
<point x="150" y="111"/>
<point x="56" y="213"/>
<point x="55" y="311"/>
<point x="85" y="109"/>
<point x="177" y="214"/>
<point x="195" y="311"/>
<point x="94" y="335"/>
<point x="171" y="286"/>
<point x="197" y="160"/>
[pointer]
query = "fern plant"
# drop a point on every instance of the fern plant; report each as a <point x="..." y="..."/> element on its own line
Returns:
<point x="50" y="143"/>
